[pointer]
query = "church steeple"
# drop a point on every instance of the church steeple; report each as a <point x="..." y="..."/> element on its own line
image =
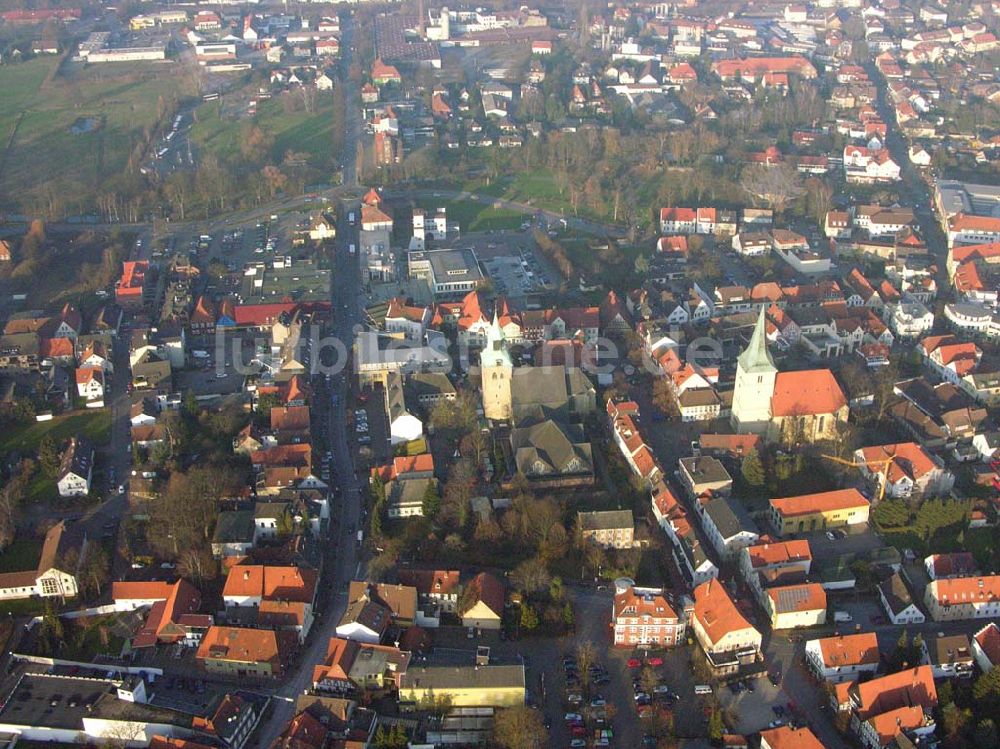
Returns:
<point x="494" y="353"/>
<point x="755" y="357"/>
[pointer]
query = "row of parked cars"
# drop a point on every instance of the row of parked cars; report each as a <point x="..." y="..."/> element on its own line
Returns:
<point x="597" y="676"/>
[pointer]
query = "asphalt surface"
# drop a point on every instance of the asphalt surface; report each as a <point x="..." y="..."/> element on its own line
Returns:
<point x="346" y="508"/>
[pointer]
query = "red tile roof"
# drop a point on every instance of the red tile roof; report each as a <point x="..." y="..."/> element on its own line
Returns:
<point x="956" y="591"/>
<point x="806" y="392"/>
<point x="488" y="589"/>
<point x="910" y="460"/>
<point x="807" y="504"/>
<point x="271" y="583"/>
<point x="786" y="737"/>
<point x="989" y="640"/>
<point x="242" y="645"/>
<point x="631" y="604"/>
<point x="849" y="650"/>
<point x="782" y="552"/>
<point x="716" y="612"/>
<point x="431" y="582"/>
<point x="912" y="687"/>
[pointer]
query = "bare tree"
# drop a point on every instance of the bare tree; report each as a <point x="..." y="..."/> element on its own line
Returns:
<point x="775" y="186"/>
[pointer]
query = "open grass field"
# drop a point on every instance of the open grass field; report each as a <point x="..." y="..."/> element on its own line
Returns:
<point x="21" y="555"/>
<point x="297" y="131"/>
<point x="473" y="216"/>
<point x="47" y="155"/>
<point x="94" y="424"/>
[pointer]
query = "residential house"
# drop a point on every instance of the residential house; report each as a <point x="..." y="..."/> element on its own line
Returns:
<point x="611" y="529"/>
<point x="172" y="611"/>
<point x="728" y="526"/>
<point x="912" y="470"/>
<point x="279" y="597"/>
<point x="986" y="647"/>
<point x="897" y="601"/>
<point x="843" y="657"/>
<point x="439" y="588"/>
<point x="955" y="564"/>
<point x="352" y="667"/>
<point x="76" y="468"/>
<point x="883" y="708"/>
<point x="483" y="601"/>
<point x="950" y="656"/>
<point x="703" y="476"/>
<point x="243" y="653"/>
<point x="774" y="559"/>
<point x="90" y="385"/>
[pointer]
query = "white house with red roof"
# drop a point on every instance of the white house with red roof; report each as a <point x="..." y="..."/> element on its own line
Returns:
<point x="843" y="657"/>
<point x="863" y="165"/>
<point x="950" y="358"/>
<point x="622" y="420"/>
<point x="913" y="470"/>
<point x="90" y="386"/>
<point x="407" y="320"/>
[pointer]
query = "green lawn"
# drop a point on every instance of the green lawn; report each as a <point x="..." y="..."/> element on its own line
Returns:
<point x="473" y="216"/>
<point x="77" y="167"/>
<point x="293" y="131"/>
<point x="21" y="555"/>
<point x="94" y="424"/>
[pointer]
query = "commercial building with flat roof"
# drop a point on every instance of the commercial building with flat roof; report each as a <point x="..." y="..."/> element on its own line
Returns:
<point x="450" y="273"/>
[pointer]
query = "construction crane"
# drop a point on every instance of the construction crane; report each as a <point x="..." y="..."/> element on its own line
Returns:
<point x="882" y="465"/>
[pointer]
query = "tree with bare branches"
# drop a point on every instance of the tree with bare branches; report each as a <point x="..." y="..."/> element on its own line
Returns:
<point x="776" y="186"/>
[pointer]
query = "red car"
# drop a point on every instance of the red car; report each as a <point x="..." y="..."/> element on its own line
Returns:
<point x="633" y="663"/>
<point x="654" y="661"/>
<point x="578" y="730"/>
<point x="643" y="710"/>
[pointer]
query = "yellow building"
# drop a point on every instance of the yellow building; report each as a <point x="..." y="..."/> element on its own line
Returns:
<point x="794" y="606"/>
<point x="463" y="686"/>
<point x="818" y="512"/>
<point x="138" y="23"/>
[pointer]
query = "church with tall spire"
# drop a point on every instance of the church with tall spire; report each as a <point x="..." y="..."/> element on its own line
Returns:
<point x="805" y="405"/>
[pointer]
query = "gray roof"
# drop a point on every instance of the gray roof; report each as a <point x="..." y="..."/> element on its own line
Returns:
<point x="453" y="266"/>
<point x="235" y="526"/>
<point x="459" y="677"/>
<point x="541" y="392"/>
<point x="705" y="470"/>
<point x="408" y="492"/>
<point x="605" y="520"/>
<point x="895" y="592"/>
<point x="555" y="445"/>
<point x="270" y="509"/>
<point x="730" y="517"/>
<point x="430" y="383"/>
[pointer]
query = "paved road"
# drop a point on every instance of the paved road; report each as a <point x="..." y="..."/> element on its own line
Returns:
<point x="346" y="510"/>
